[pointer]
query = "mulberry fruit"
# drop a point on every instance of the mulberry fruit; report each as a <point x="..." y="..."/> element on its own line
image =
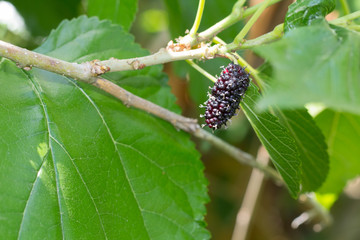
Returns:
<point x="225" y="96"/>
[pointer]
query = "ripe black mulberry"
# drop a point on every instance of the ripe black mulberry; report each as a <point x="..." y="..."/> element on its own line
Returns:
<point x="225" y="96"/>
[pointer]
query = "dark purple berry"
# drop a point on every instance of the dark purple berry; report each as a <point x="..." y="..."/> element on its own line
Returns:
<point x="226" y="95"/>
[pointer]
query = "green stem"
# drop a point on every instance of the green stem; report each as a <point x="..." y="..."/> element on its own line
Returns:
<point x="253" y="72"/>
<point x="354" y="27"/>
<point x="198" y="17"/>
<point x="251" y="10"/>
<point x="240" y="60"/>
<point x="238" y="13"/>
<point x="201" y="70"/>
<point x="275" y="34"/>
<point x="345" y="6"/>
<point x="251" y="22"/>
<point x="346" y="19"/>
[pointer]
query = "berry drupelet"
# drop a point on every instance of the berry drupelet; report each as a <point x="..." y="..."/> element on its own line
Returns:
<point x="226" y="95"/>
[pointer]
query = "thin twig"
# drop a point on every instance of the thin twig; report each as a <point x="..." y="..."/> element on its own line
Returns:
<point x="236" y="153"/>
<point x="275" y="34"/>
<point x="346" y="19"/>
<point x="201" y="70"/>
<point x="187" y="124"/>
<point x="345" y="6"/>
<point x="241" y="61"/>
<point x="198" y="17"/>
<point x="253" y="190"/>
<point x="239" y="38"/>
<point x="316" y="212"/>
<point x="160" y="57"/>
<point x="238" y="12"/>
<point x="129" y="99"/>
<point x="27" y="59"/>
<point x="205" y="52"/>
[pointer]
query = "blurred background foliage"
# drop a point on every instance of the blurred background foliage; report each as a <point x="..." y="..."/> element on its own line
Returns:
<point x="27" y="23"/>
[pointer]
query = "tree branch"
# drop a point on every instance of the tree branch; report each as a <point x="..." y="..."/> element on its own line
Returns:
<point x="129" y="99"/>
<point x="187" y="124"/>
<point x="169" y="54"/>
<point x="174" y="53"/>
<point x="87" y="72"/>
<point x="27" y="59"/>
<point x="251" y="197"/>
<point x="238" y="12"/>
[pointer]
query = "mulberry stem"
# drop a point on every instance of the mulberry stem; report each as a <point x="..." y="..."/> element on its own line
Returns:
<point x="201" y="70"/>
<point x="198" y="17"/>
<point x="251" y="22"/>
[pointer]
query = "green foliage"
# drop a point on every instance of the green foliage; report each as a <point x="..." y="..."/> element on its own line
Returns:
<point x="309" y="140"/>
<point x="41" y="15"/>
<point x="276" y="139"/>
<point x="154" y="20"/>
<point x="342" y="133"/>
<point x="306" y="12"/>
<point x="120" y="12"/>
<point x="90" y="39"/>
<point x="314" y="64"/>
<point x="79" y="164"/>
<point x="311" y="146"/>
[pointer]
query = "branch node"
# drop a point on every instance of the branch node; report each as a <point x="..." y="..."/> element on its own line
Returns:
<point x="210" y="52"/>
<point x="187" y="124"/>
<point x="178" y="47"/>
<point x="97" y="69"/>
<point x="26" y="67"/>
<point x="136" y="65"/>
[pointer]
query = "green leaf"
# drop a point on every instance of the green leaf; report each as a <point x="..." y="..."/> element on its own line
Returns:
<point x="120" y="12"/>
<point x="41" y="16"/>
<point x="306" y="12"/>
<point x="80" y="165"/>
<point x="308" y="137"/>
<point x="314" y="64"/>
<point x="276" y="139"/>
<point x="342" y="134"/>
<point x="311" y="145"/>
<point x="61" y="42"/>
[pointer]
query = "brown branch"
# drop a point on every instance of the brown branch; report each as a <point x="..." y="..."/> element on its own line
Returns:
<point x="27" y="59"/>
<point x="129" y="99"/>
<point x="253" y="191"/>
<point x="180" y="122"/>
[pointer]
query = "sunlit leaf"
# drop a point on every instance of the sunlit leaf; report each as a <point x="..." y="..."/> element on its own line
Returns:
<point x="78" y="164"/>
<point x="120" y="12"/>
<point x="306" y="12"/>
<point x="314" y="64"/>
<point x="342" y="134"/>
